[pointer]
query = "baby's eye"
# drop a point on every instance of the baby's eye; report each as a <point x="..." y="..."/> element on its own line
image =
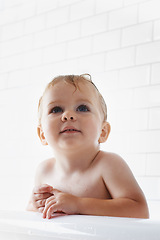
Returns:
<point x="82" y="108"/>
<point x="56" y="110"/>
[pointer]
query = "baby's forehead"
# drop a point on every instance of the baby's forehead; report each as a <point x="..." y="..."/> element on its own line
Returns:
<point x="82" y="87"/>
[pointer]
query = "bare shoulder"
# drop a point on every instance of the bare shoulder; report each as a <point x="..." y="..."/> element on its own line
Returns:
<point x="46" y="165"/>
<point x="118" y="177"/>
<point x="115" y="166"/>
<point x="110" y="159"/>
<point x="44" y="168"/>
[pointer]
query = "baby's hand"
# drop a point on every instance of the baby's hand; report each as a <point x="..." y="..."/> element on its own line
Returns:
<point x="40" y="195"/>
<point x="60" y="203"/>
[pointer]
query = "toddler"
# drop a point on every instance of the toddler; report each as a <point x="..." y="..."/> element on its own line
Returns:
<point x="80" y="178"/>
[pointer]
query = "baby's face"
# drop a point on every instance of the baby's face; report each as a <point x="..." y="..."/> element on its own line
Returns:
<point x="71" y="117"/>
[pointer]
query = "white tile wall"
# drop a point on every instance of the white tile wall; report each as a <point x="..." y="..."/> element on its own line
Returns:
<point x="123" y="17"/>
<point x="117" y="42"/>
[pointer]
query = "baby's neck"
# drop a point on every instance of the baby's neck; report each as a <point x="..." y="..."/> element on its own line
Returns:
<point x="73" y="161"/>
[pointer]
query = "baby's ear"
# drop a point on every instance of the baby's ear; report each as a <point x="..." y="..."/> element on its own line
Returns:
<point x="41" y="135"/>
<point x="106" y="128"/>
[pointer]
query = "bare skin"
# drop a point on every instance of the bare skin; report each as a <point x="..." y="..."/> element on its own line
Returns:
<point x="104" y="194"/>
<point x="81" y="179"/>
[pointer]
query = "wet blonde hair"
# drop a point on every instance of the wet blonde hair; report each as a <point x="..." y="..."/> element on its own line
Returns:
<point x="72" y="79"/>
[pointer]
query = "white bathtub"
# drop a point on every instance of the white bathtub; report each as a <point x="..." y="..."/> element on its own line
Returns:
<point x="31" y="226"/>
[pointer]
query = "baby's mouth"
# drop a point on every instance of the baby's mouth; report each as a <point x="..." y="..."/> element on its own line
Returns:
<point x="69" y="130"/>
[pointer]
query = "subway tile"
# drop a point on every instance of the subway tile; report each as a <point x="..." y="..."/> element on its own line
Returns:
<point x="91" y="64"/>
<point x="54" y="53"/>
<point x="132" y="120"/>
<point x="3" y="80"/>
<point x="68" y="32"/>
<point x="118" y="143"/>
<point x="45" y="73"/>
<point x="149" y="10"/>
<point x="139" y="119"/>
<point x="124" y="96"/>
<point x="148" y="53"/>
<point x="141" y="98"/>
<point x="11" y="63"/>
<point x="18" y="12"/>
<point x="147" y="97"/>
<point x="153" y="164"/>
<point x="41" y="75"/>
<point x="46" y="6"/>
<point x="137" y="163"/>
<point x="32" y="58"/>
<point x="82" y="10"/>
<point x="155" y="73"/>
<point x="1" y="33"/>
<point x="154" y="118"/>
<point x="154" y="96"/>
<point x="23" y="95"/>
<point x="120" y="58"/>
<point x="106" y="80"/>
<point x="62" y="3"/>
<point x="7" y="16"/>
<point x="24" y="11"/>
<point x="123" y="17"/>
<point x="153" y="141"/>
<point x="137" y="34"/>
<point x="150" y="186"/>
<point x="4" y="122"/>
<point x="16" y="46"/>
<point x="130" y="2"/>
<point x="79" y="47"/>
<point x="44" y="38"/>
<point x="34" y="24"/>
<point x="8" y="4"/>
<point x="156" y="30"/>
<point x="13" y="30"/>
<point x="139" y="142"/>
<point x="57" y="17"/>
<point x="134" y="77"/>
<point x="19" y="78"/>
<point x="94" y="25"/>
<point x="69" y="66"/>
<point x="1" y="5"/>
<point x="106" y="41"/>
<point x="107" y="5"/>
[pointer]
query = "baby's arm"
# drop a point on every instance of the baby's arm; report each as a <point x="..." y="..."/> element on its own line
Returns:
<point x="127" y="197"/>
<point x="41" y="191"/>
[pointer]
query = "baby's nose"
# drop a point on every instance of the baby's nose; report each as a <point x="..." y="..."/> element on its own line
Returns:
<point x="68" y="116"/>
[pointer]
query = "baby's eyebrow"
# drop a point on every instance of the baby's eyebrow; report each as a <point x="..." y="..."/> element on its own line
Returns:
<point x="84" y="100"/>
<point x="53" y="102"/>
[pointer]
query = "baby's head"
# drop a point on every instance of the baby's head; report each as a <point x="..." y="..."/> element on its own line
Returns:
<point x="75" y="80"/>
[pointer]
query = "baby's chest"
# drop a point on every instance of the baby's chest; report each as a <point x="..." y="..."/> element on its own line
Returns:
<point x="81" y="186"/>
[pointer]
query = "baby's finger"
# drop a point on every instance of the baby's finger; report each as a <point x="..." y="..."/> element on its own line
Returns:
<point x="47" y="207"/>
<point x="48" y="200"/>
<point x="43" y="188"/>
<point x="41" y="196"/>
<point x="40" y="203"/>
<point x="52" y="209"/>
<point x="41" y="209"/>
